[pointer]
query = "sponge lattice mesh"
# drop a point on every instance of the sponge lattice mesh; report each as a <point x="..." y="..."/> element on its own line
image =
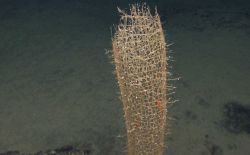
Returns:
<point x="140" y="58"/>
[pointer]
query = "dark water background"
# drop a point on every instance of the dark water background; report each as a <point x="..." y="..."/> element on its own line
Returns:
<point x="57" y="86"/>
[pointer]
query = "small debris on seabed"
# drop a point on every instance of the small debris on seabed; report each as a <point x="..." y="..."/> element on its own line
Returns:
<point x="85" y="149"/>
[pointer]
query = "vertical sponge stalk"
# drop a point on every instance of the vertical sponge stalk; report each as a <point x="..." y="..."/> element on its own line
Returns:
<point x="140" y="58"/>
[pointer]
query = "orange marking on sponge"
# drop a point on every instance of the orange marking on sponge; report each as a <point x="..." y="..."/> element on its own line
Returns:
<point x="159" y="105"/>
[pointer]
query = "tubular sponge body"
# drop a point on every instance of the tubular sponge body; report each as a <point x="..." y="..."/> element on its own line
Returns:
<point x="140" y="57"/>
